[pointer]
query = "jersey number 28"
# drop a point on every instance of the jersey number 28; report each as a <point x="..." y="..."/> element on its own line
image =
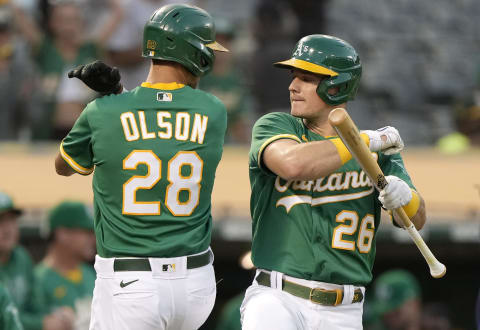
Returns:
<point x="178" y="182"/>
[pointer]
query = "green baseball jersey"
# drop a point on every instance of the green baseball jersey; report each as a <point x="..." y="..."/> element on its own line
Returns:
<point x="54" y="290"/>
<point x="16" y="275"/>
<point x="9" y="319"/>
<point x="155" y="151"/>
<point x="322" y="229"/>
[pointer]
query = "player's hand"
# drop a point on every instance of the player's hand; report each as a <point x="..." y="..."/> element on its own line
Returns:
<point x="386" y="139"/>
<point x="99" y="77"/>
<point x="396" y="194"/>
<point x="61" y="319"/>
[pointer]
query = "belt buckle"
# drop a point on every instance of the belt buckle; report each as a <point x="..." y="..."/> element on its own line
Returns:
<point x="338" y="299"/>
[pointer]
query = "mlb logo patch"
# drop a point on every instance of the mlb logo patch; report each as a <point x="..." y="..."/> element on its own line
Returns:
<point x="169" y="268"/>
<point x="164" y="97"/>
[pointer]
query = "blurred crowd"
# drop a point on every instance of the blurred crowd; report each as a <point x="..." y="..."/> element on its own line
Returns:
<point x="41" y="40"/>
<point x="56" y="293"/>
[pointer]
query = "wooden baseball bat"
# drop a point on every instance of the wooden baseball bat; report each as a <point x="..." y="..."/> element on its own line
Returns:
<point x="348" y="132"/>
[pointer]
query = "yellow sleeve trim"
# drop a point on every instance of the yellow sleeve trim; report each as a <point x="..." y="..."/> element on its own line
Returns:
<point x="412" y="207"/>
<point x="73" y="164"/>
<point x="274" y="138"/>
<point x="342" y="150"/>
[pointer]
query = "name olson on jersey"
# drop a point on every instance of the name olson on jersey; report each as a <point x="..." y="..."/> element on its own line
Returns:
<point x="183" y="128"/>
<point x="334" y="182"/>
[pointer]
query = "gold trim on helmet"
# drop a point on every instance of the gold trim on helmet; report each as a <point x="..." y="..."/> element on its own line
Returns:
<point x="306" y="66"/>
<point x="216" y="46"/>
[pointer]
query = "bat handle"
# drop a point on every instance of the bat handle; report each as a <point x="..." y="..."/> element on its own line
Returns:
<point x="437" y="269"/>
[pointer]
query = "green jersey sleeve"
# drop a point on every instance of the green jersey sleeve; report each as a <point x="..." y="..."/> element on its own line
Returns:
<point x="269" y="128"/>
<point x="393" y="165"/>
<point x="76" y="148"/>
<point x="8" y="312"/>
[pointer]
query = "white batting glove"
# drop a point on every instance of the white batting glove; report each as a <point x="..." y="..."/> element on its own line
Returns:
<point x="396" y="194"/>
<point x="393" y="143"/>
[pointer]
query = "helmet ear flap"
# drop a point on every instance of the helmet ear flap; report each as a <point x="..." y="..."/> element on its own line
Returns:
<point x="203" y="61"/>
<point x="342" y="82"/>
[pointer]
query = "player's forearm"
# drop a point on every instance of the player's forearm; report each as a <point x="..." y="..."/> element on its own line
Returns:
<point x="305" y="161"/>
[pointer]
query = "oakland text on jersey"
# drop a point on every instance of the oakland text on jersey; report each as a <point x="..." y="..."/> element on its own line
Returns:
<point x="334" y="182"/>
<point x="181" y="126"/>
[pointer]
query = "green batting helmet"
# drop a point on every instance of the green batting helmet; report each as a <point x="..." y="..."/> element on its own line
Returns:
<point x="330" y="56"/>
<point x="184" y="34"/>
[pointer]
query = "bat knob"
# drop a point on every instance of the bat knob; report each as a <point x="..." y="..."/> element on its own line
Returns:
<point x="438" y="270"/>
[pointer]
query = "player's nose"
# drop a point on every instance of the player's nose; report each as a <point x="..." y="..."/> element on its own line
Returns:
<point x="293" y="88"/>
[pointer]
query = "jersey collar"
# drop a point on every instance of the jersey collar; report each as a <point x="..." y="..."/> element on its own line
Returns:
<point x="163" y="86"/>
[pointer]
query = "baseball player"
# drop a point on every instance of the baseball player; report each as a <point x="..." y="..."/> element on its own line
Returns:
<point x="8" y="312"/>
<point x="155" y="151"/>
<point x="16" y="271"/>
<point x="315" y="212"/>
<point x="62" y="278"/>
<point x="397" y="300"/>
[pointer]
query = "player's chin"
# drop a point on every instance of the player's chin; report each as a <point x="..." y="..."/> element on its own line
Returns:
<point x="297" y="108"/>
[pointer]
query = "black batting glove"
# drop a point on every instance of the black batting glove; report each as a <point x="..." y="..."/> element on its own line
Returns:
<point x="99" y="77"/>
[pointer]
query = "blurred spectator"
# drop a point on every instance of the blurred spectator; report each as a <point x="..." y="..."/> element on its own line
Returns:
<point x="274" y="30"/>
<point x="436" y="316"/>
<point x="228" y="84"/>
<point x="8" y="312"/>
<point x="60" y="48"/>
<point x="16" y="269"/>
<point x="17" y="82"/>
<point x="397" y="301"/>
<point x="125" y="46"/>
<point x="63" y="278"/>
<point x="467" y="122"/>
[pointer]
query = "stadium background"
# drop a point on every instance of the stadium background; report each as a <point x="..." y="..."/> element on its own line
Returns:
<point x="420" y="74"/>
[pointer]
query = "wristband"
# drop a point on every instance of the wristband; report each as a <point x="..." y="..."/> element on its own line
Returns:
<point x="342" y="150"/>
<point x="365" y="138"/>
<point x="412" y="207"/>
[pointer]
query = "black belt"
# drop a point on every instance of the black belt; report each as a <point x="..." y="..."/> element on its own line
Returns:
<point x="315" y="295"/>
<point x="143" y="264"/>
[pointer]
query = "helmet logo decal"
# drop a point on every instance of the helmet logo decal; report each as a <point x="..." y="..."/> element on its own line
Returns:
<point x="151" y="44"/>
<point x="300" y="50"/>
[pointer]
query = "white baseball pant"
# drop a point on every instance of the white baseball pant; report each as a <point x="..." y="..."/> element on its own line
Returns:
<point x="270" y="308"/>
<point x="170" y="296"/>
